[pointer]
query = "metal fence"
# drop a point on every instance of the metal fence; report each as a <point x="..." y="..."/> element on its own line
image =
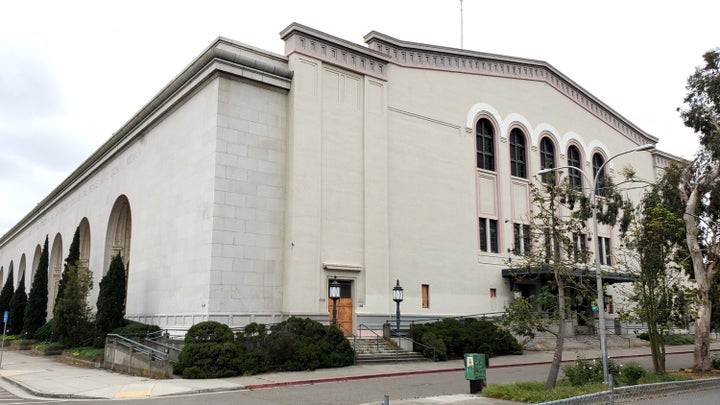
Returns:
<point x="635" y="392"/>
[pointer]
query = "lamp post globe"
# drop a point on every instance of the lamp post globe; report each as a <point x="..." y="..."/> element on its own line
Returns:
<point x="334" y="294"/>
<point x="397" y="292"/>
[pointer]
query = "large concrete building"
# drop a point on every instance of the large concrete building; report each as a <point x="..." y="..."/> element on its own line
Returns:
<point x="252" y="179"/>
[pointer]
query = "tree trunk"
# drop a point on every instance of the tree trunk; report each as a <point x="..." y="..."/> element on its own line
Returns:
<point x="657" y="349"/>
<point x="702" y="328"/>
<point x="559" y="338"/>
<point x="704" y="274"/>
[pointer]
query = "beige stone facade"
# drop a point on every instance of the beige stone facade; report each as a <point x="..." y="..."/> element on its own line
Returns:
<point x="253" y="178"/>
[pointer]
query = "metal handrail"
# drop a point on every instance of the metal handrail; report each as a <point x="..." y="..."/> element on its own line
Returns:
<point x="139" y="347"/>
<point x="360" y="329"/>
<point x="415" y="342"/>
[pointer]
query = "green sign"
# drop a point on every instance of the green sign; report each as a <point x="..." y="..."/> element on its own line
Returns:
<point x="474" y="366"/>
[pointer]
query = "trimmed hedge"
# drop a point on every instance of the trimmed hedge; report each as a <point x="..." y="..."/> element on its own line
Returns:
<point x="211" y="350"/>
<point x="452" y="338"/>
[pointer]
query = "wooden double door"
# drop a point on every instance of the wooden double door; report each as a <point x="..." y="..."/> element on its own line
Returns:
<point x="344" y="308"/>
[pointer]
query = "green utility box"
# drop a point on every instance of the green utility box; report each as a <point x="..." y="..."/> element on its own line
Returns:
<point x="475" y="371"/>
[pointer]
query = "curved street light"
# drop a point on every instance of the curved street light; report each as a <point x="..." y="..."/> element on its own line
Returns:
<point x="598" y="275"/>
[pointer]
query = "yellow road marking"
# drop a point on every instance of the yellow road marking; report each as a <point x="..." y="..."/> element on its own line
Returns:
<point x="129" y="394"/>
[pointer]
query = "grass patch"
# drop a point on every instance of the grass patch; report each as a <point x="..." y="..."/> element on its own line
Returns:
<point x="533" y="392"/>
<point x="86" y="353"/>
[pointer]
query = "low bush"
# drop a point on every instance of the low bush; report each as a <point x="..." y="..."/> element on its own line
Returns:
<point x="468" y="335"/>
<point x="672" y="340"/>
<point x="715" y="362"/>
<point x="135" y="329"/>
<point x="630" y="373"/>
<point x="211" y="350"/>
<point x="44" y="333"/>
<point x="584" y="371"/>
<point x="304" y="344"/>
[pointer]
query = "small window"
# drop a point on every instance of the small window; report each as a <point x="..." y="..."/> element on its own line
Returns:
<point x="522" y="239"/>
<point x="604" y="251"/>
<point x="488" y="235"/>
<point x="574" y="175"/>
<point x="493" y="299"/>
<point x="425" y="288"/>
<point x="547" y="159"/>
<point x="485" y="143"/>
<point x="580" y="247"/>
<point x="518" y="166"/>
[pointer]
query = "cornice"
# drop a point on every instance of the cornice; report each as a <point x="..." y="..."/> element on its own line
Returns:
<point x="423" y="56"/>
<point x="327" y="48"/>
<point x="664" y="159"/>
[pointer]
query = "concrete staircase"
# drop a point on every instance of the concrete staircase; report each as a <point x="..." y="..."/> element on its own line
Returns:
<point x="378" y="350"/>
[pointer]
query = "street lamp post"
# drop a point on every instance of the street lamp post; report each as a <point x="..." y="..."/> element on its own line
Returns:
<point x="598" y="275"/>
<point x="334" y="293"/>
<point x="398" y="297"/>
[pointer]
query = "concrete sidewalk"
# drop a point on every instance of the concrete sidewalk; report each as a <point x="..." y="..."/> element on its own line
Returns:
<point x="46" y="377"/>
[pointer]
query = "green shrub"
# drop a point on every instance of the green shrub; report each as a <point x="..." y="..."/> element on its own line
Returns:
<point x="670" y="339"/>
<point x="304" y="344"/>
<point x="211" y="350"/>
<point x="209" y="360"/>
<point x="209" y="332"/>
<point x="715" y="362"/>
<point x="584" y="371"/>
<point x="44" y="333"/>
<point x="135" y="329"/>
<point x="468" y="335"/>
<point x="630" y="373"/>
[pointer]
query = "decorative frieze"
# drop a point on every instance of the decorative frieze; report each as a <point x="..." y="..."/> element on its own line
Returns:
<point x="459" y="60"/>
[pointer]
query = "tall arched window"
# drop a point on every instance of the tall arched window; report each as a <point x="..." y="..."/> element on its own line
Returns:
<point x="574" y="175"/>
<point x="518" y="164"/>
<point x="485" y="139"/>
<point x="598" y="162"/>
<point x="547" y="159"/>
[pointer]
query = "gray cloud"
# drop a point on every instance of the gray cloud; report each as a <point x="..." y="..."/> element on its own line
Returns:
<point x="27" y="87"/>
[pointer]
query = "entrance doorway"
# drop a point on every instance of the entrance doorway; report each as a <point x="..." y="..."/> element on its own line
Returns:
<point x="344" y="308"/>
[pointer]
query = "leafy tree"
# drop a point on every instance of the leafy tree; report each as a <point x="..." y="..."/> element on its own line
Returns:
<point x="111" y="299"/>
<point x="71" y="260"/>
<point x="36" y="310"/>
<point x="557" y="222"/>
<point x="6" y="294"/>
<point x="699" y="193"/>
<point x="651" y="247"/>
<point x="17" y="308"/>
<point x="71" y="325"/>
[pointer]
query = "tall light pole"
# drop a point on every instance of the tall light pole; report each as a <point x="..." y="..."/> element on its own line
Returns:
<point x="598" y="274"/>
<point x="397" y="292"/>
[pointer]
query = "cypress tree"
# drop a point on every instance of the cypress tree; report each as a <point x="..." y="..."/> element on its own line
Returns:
<point x="6" y="294"/>
<point x="71" y="324"/>
<point x="111" y="299"/>
<point x="71" y="260"/>
<point x="17" y="308"/>
<point x="36" y="310"/>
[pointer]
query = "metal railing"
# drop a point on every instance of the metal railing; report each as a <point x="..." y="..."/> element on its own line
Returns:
<point x="634" y="392"/>
<point x="362" y="327"/>
<point x="138" y="347"/>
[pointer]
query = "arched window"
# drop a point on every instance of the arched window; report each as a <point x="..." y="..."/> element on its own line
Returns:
<point x="598" y="162"/>
<point x="485" y="138"/>
<point x="547" y="159"/>
<point x="518" y="166"/>
<point x="574" y="175"/>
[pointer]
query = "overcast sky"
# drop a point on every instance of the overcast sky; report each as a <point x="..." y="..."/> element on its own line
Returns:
<point x="73" y="72"/>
